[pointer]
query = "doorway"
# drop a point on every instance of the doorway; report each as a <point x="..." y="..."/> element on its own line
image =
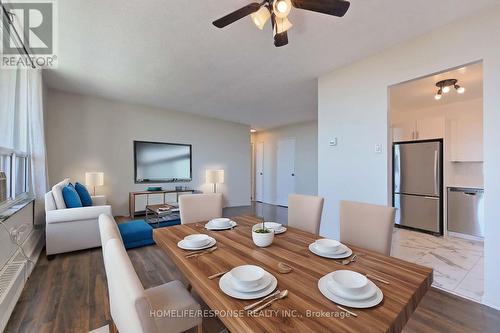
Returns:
<point x="285" y="171"/>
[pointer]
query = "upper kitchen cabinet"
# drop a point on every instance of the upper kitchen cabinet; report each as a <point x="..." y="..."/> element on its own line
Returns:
<point x="421" y="129"/>
<point x="467" y="139"/>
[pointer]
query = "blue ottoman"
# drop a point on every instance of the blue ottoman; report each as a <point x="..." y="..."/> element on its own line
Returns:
<point x="136" y="234"/>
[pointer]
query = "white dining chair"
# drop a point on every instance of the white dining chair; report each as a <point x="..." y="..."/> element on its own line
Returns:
<point x="108" y="229"/>
<point x="200" y="207"/>
<point x="165" y="308"/>
<point x="304" y="212"/>
<point x="367" y="226"/>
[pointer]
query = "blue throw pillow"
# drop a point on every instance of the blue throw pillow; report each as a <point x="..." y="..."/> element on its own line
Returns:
<point x="71" y="198"/>
<point x="84" y="195"/>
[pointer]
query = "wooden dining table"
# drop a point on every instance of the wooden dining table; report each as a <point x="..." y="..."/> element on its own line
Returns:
<point x="305" y="309"/>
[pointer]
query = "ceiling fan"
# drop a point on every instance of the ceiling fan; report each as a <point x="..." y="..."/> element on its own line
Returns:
<point x="278" y="10"/>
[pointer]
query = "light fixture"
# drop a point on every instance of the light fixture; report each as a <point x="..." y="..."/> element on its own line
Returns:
<point x="445" y="87"/>
<point x="214" y="177"/>
<point x="94" y="179"/>
<point x="253" y="130"/>
<point x="261" y="16"/>
<point x="282" y="25"/>
<point x="282" y="8"/>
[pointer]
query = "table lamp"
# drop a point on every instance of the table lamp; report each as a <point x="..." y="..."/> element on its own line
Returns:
<point x="215" y="177"/>
<point x="94" y="179"/>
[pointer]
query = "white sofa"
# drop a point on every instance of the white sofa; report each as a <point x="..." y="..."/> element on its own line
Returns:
<point x="74" y="228"/>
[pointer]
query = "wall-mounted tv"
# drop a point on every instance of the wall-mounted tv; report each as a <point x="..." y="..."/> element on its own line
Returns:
<point x="158" y="162"/>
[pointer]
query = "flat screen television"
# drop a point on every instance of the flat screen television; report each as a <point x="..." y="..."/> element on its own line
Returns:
<point x="158" y="162"/>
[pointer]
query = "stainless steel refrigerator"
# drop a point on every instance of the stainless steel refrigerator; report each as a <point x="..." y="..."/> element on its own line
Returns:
<point x="418" y="185"/>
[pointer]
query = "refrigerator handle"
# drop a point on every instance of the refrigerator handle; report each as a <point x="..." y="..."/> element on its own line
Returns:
<point x="436" y="167"/>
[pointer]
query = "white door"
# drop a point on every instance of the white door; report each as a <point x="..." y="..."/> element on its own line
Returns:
<point x="285" y="171"/>
<point x="259" y="171"/>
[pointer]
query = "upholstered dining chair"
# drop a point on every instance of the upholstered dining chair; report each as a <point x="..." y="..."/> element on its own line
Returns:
<point x="138" y="310"/>
<point x="367" y="226"/>
<point x="108" y="229"/>
<point x="304" y="212"/>
<point x="200" y="207"/>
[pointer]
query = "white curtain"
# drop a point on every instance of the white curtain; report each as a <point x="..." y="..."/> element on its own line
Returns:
<point x="36" y="141"/>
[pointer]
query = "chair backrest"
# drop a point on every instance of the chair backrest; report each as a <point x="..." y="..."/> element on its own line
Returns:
<point x="200" y="207"/>
<point x="367" y="226"/>
<point x="126" y="292"/>
<point x="50" y="203"/>
<point x="108" y="229"/>
<point x="304" y="212"/>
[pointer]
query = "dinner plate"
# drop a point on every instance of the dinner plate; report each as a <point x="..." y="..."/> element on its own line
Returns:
<point x="358" y="304"/>
<point x="212" y="227"/>
<point x="266" y="280"/>
<point x="227" y="288"/>
<point x="280" y="231"/>
<point x="342" y="255"/>
<point x="337" y="290"/>
<point x="185" y="246"/>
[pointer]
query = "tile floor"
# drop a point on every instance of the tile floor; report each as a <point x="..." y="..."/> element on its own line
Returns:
<point x="457" y="263"/>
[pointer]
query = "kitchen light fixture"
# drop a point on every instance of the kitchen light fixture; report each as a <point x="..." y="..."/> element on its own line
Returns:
<point x="278" y="10"/>
<point x="445" y="87"/>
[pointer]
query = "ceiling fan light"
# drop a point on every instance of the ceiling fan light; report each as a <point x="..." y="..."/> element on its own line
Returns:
<point x="260" y="17"/>
<point x="283" y="25"/>
<point x="446" y="89"/>
<point x="438" y="96"/>
<point x="460" y="90"/>
<point x="282" y="8"/>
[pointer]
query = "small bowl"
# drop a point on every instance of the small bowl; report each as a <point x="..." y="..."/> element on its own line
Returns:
<point x="247" y="276"/>
<point x="197" y="240"/>
<point x="220" y="222"/>
<point x="351" y="282"/>
<point x="328" y="245"/>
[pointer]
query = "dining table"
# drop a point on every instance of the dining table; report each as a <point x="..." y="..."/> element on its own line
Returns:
<point x="305" y="309"/>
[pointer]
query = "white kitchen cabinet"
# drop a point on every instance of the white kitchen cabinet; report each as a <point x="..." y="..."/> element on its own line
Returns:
<point x="421" y="129"/>
<point x="467" y="139"/>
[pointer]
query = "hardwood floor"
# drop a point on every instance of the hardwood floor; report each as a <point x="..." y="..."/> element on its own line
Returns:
<point x="69" y="293"/>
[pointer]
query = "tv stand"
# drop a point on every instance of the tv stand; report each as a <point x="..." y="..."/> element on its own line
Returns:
<point x="133" y="195"/>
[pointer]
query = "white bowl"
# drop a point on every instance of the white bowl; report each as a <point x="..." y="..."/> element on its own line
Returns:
<point x="328" y="245"/>
<point x="220" y="222"/>
<point x="197" y="240"/>
<point x="350" y="282"/>
<point x="247" y="276"/>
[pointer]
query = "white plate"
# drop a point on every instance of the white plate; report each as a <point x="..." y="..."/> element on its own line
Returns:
<point x="227" y="288"/>
<point x="211" y="227"/>
<point x="280" y="231"/>
<point x="184" y="245"/>
<point x="346" y="254"/>
<point x="336" y="290"/>
<point x="358" y="304"/>
<point x="266" y="281"/>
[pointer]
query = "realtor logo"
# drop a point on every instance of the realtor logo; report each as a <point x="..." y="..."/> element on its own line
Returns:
<point x="28" y="27"/>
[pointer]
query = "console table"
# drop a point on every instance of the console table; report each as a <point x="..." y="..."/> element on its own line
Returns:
<point x="133" y="195"/>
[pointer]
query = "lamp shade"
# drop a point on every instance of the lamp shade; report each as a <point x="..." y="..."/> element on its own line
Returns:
<point x="94" y="178"/>
<point x="215" y="176"/>
<point x="282" y="25"/>
<point x="260" y="17"/>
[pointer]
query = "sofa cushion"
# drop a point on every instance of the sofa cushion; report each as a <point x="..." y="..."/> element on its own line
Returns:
<point x="136" y="234"/>
<point x="71" y="197"/>
<point x="84" y="195"/>
<point x="57" y="193"/>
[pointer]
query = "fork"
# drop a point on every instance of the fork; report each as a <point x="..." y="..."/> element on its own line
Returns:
<point x="347" y="261"/>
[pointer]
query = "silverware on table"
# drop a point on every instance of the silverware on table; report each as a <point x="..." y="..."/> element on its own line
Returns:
<point x="345" y="310"/>
<point x="216" y="275"/>
<point x="281" y="295"/>
<point x="347" y="261"/>
<point x="373" y="277"/>
<point x="197" y="254"/>
<point x="253" y="305"/>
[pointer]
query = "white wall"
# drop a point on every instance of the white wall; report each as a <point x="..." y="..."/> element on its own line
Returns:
<point x="306" y="157"/>
<point x="93" y="134"/>
<point x="353" y="106"/>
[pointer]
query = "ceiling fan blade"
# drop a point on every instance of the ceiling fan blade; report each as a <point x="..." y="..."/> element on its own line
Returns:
<point x="236" y="15"/>
<point x="281" y="39"/>
<point x="330" y="7"/>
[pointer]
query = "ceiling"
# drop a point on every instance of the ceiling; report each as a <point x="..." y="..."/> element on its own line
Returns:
<point x="419" y="94"/>
<point x="167" y="54"/>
